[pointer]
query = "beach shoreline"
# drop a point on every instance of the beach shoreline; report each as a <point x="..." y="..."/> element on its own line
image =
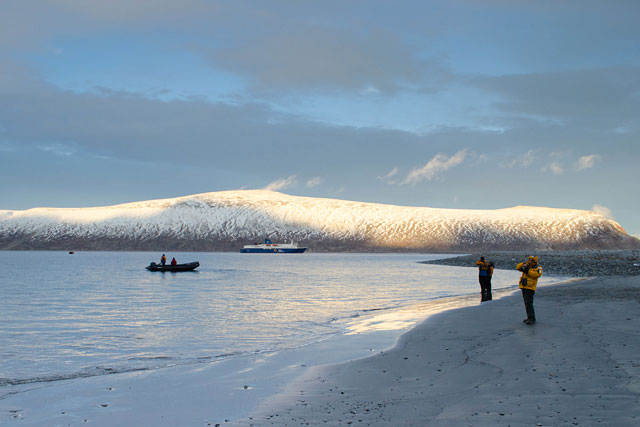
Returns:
<point x="213" y="393"/>
<point x="482" y="366"/>
<point x="574" y="263"/>
<point x="463" y="375"/>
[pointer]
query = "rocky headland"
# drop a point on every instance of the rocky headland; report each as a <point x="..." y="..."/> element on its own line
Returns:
<point x="587" y="263"/>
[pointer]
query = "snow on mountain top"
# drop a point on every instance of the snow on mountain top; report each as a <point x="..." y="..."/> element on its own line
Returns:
<point x="232" y="216"/>
<point x="261" y="197"/>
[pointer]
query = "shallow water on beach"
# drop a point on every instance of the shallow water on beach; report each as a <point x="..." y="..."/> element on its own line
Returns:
<point x="94" y="313"/>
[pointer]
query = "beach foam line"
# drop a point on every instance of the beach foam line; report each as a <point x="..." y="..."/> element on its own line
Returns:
<point x="215" y="393"/>
<point x="482" y="366"/>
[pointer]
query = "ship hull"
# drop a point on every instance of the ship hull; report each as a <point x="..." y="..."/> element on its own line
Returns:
<point x="272" y="250"/>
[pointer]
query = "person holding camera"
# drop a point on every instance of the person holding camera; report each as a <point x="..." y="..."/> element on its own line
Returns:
<point x="485" y="271"/>
<point x="531" y="272"/>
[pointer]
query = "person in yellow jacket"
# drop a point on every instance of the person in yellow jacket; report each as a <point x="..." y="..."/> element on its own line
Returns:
<point x="531" y="272"/>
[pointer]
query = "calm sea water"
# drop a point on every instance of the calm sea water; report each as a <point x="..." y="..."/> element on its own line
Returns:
<point x="93" y="313"/>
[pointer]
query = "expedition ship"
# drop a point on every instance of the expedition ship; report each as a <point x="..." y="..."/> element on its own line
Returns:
<point x="269" y="248"/>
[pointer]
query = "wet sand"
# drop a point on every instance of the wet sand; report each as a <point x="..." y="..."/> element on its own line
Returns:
<point x="481" y="366"/>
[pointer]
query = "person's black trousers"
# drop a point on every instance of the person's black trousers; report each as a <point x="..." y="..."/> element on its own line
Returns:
<point x="527" y="296"/>
<point x="487" y="292"/>
<point x="485" y="288"/>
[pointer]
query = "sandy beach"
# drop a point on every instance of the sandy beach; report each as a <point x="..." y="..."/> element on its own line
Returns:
<point x="481" y="366"/>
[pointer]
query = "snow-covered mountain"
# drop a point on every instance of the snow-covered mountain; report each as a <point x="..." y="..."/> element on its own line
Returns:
<point x="226" y="220"/>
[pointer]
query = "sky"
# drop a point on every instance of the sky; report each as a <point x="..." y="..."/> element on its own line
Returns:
<point x="469" y="104"/>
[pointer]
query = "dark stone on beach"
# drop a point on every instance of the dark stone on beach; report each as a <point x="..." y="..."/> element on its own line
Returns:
<point x="559" y="263"/>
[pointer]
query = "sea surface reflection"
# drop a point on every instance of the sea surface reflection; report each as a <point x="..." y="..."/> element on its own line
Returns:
<point x="92" y="313"/>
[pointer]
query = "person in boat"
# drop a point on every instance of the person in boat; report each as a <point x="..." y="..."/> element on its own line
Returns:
<point x="163" y="260"/>
<point x="173" y="261"/>
<point x="484" y="278"/>
<point x="531" y="272"/>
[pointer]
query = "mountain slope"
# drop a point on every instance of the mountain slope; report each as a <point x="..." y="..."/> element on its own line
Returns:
<point x="227" y="220"/>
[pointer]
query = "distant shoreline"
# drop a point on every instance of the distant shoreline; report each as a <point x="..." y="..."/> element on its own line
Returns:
<point x="582" y="263"/>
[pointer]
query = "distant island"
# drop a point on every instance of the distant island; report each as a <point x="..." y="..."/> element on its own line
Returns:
<point x="226" y="220"/>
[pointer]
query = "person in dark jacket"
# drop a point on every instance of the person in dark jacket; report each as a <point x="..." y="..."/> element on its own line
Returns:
<point x="488" y="295"/>
<point x="173" y="261"/>
<point x="484" y="277"/>
<point x="531" y="272"/>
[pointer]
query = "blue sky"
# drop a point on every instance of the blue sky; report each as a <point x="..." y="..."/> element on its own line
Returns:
<point x="477" y="104"/>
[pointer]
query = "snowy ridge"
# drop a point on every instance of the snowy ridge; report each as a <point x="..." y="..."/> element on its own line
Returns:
<point x="226" y="220"/>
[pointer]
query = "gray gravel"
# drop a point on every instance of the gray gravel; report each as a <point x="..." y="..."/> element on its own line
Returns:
<point x="560" y="263"/>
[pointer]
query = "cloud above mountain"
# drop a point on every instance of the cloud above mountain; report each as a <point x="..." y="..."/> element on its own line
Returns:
<point x="438" y="164"/>
<point x="126" y="100"/>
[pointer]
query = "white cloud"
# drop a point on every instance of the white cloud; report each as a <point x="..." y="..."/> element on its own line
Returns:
<point x="387" y="178"/>
<point x="482" y="158"/>
<point x="602" y="210"/>
<point x="555" y="168"/>
<point x="282" y="183"/>
<point x="587" y="162"/>
<point x="314" y="182"/>
<point x="440" y="163"/>
<point x="528" y="158"/>
<point x="522" y="160"/>
<point x="58" y="149"/>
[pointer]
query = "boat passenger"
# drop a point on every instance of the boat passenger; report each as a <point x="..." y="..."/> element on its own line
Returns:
<point x="174" y="262"/>
<point x="163" y="260"/>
